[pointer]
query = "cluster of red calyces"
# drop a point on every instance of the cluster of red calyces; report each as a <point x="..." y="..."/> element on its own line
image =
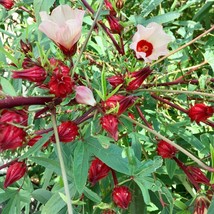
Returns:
<point x="121" y="195"/>
<point x="60" y="83"/>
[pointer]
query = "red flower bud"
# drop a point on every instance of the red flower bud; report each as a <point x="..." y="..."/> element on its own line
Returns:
<point x="58" y="65"/>
<point x="11" y="137"/>
<point x="165" y="150"/>
<point x="137" y="78"/>
<point x="110" y="8"/>
<point x="67" y="132"/>
<point x="26" y="47"/>
<point x="35" y="139"/>
<point x="201" y="205"/>
<point x="125" y="103"/>
<point x="28" y="63"/>
<point x="61" y="84"/>
<point x="109" y="123"/>
<point x="122" y="196"/>
<point x="114" y="24"/>
<point x="198" y="175"/>
<point x="200" y="112"/>
<point x="14" y="116"/>
<point x="116" y="80"/>
<point x="8" y="4"/>
<point x="97" y="171"/>
<point x="112" y="102"/>
<point x="119" y="4"/>
<point x="34" y="74"/>
<point x="15" y="171"/>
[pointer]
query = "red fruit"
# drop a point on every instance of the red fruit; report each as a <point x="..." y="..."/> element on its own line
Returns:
<point x="109" y="123"/>
<point x="200" y="112"/>
<point x="137" y="78"/>
<point x="201" y="205"/>
<point x="122" y="196"/>
<point x="198" y="175"/>
<point x="110" y="7"/>
<point x="61" y="84"/>
<point x="112" y="102"/>
<point x="59" y="65"/>
<point x="33" y="74"/>
<point x="8" y="4"/>
<point x="165" y="150"/>
<point x="116" y="80"/>
<point x="67" y="132"/>
<point x="11" y="137"/>
<point x="15" y="171"/>
<point x="125" y="103"/>
<point x="97" y="171"/>
<point x="114" y="24"/>
<point x="14" y="116"/>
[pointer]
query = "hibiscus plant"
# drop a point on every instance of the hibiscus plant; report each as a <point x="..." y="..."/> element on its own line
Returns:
<point x="106" y="107"/>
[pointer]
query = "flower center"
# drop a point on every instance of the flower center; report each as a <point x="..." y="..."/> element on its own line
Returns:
<point x="144" y="46"/>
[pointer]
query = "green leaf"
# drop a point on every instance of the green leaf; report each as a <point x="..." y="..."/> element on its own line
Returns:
<point x="111" y="155"/>
<point x="42" y="6"/>
<point x="7" y="87"/>
<point x="148" y="6"/>
<point x="187" y="136"/>
<point x="41" y="195"/>
<point x="80" y="166"/>
<point x="56" y="203"/>
<point x="37" y="146"/>
<point x="163" y="18"/>
<point x="170" y="167"/>
<point x="47" y="163"/>
<point x="92" y="195"/>
<point x="144" y="190"/>
<point x="103" y="83"/>
<point x="114" y="91"/>
<point x="209" y="56"/>
<point x="211" y="207"/>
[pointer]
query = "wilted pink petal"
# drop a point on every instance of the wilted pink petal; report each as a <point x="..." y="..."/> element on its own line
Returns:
<point x="150" y="42"/>
<point x="63" y="26"/>
<point x="84" y="96"/>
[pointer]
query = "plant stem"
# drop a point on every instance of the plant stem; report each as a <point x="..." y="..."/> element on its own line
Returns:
<point x="8" y="163"/>
<point x="200" y="163"/>
<point x="86" y="41"/>
<point x="179" y="92"/>
<point x="183" y="46"/>
<point x="62" y="165"/>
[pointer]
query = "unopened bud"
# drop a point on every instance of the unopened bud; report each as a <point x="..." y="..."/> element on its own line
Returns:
<point x="119" y="4"/>
<point x="26" y="47"/>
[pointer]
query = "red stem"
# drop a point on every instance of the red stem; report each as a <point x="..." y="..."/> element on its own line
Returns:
<point x="114" y="177"/>
<point x="143" y="117"/>
<point x="168" y="103"/>
<point x="104" y="28"/>
<point x="11" y="102"/>
<point x="8" y="163"/>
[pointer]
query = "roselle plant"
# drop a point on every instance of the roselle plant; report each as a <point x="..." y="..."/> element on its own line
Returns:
<point x="106" y="107"/>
